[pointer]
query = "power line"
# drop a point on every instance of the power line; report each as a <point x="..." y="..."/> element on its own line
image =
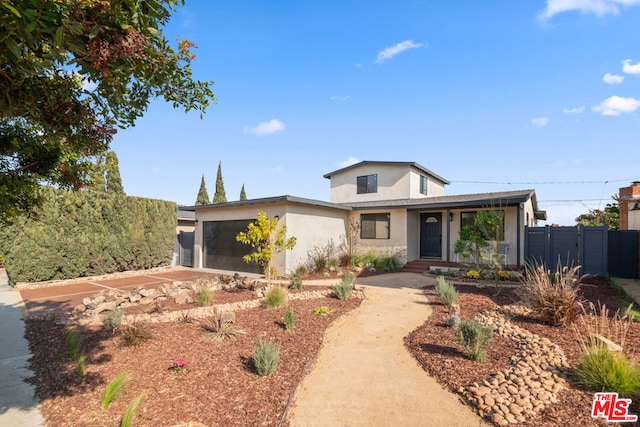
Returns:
<point x="542" y="182"/>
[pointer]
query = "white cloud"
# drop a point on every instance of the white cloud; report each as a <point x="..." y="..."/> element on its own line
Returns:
<point x="540" y="121"/>
<point x="267" y="128"/>
<point x="629" y="68"/>
<point x="616" y="105"/>
<point x="596" y="7"/>
<point x="350" y="161"/>
<point x="392" y="51"/>
<point x="340" y="98"/>
<point x="612" y="79"/>
<point x="574" y="110"/>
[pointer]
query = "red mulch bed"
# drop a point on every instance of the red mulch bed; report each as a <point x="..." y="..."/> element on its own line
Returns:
<point x="434" y="346"/>
<point x="219" y="386"/>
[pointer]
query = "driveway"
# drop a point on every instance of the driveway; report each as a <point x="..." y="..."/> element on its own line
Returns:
<point x="41" y="299"/>
<point x="364" y="376"/>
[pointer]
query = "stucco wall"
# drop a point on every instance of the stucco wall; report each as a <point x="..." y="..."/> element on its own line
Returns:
<point x="397" y="241"/>
<point x="634" y="220"/>
<point x="312" y="227"/>
<point x="394" y="182"/>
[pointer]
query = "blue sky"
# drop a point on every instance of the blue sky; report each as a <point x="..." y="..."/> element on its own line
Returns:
<point x="491" y="95"/>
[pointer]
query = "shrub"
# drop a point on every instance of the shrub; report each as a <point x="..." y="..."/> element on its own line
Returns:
<point x="553" y="295"/>
<point x="114" y="388"/>
<point x="88" y="233"/>
<point x="473" y="337"/>
<point x="204" y="296"/>
<point x="334" y="264"/>
<point x="472" y="274"/>
<point x="266" y="356"/>
<point x="318" y="258"/>
<point x="301" y="271"/>
<point x="289" y="319"/>
<point x="343" y="291"/>
<point x="446" y="291"/>
<point x="602" y="370"/>
<point x="296" y="282"/>
<point x="74" y="341"/>
<point x="348" y="278"/>
<point x="388" y="263"/>
<point x="136" y="334"/>
<point x="219" y="328"/>
<point x="322" y="310"/>
<point x="276" y="297"/>
<point x="503" y="275"/>
<point x="365" y="261"/>
<point x="81" y="365"/>
<point x="130" y="413"/>
<point x="112" y="320"/>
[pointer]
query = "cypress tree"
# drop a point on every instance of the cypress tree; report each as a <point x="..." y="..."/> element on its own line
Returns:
<point x="97" y="182"/>
<point x="203" y="195"/>
<point x="113" y="178"/>
<point x="243" y="195"/>
<point x="219" y="196"/>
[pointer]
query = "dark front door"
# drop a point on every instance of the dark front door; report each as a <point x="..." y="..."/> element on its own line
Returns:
<point x="431" y="235"/>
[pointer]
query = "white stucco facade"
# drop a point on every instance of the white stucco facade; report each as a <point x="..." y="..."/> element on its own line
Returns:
<point x="395" y="215"/>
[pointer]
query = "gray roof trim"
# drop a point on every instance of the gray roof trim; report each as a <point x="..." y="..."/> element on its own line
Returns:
<point x="268" y="200"/>
<point x="506" y="198"/>
<point x="186" y="215"/>
<point x="371" y="162"/>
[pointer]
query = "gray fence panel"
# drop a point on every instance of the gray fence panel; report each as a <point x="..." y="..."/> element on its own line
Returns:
<point x="623" y="253"/>
<point x="563" y="247"/>
<point x="593" y="250"/>
<point x="571" y="246"/>
<point x="187" y="240"/>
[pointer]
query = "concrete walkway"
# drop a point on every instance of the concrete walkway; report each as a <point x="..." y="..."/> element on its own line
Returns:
<point x="17" y="402"/>
<point x="364" y="376"/>
<point x="631" y="287"/>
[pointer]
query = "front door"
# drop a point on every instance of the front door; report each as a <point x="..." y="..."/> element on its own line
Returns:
<point x="431" y="235"/>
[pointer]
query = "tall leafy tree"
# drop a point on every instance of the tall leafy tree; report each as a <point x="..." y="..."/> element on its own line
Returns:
<point x="609" y="216"/>
<point x="203" y="195"/>
<point x="219" y="196"/>
<point x="243" y="194"/>
<point x="112" y="174"/>
<point x="71" y="73"/>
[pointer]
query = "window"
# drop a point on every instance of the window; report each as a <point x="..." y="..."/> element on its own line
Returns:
<point x="367" y="184"/>
<point x="374" y="226"/>
<point x="423" y="185"/>
<point x="494" y="222"/>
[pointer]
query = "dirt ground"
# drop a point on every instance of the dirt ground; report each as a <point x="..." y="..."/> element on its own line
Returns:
<point x="364" y="376"/>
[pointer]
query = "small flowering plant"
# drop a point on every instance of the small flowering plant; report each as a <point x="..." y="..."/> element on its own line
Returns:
<point x="472" y="274"/>
<point x="503" y="275"/>
<point x="178" y="366"/>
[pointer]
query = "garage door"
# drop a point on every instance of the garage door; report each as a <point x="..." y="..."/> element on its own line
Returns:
<point x="221" y="249"/>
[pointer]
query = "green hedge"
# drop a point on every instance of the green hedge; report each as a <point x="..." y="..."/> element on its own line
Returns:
<point x="75" y="234"/>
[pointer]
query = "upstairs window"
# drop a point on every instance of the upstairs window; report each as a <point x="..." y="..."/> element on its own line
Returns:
<point x="375" y="226"/>
<point x="423" y="185"/>
<point x="367" y="184"/>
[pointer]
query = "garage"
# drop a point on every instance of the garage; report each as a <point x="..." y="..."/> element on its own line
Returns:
<point x="221" y="249"/>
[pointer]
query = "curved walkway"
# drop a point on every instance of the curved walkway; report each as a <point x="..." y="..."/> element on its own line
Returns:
<point x="364" y="376"/>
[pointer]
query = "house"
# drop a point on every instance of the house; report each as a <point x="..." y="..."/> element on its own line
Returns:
<point x="401" y="208"/>
<point x="629" y="205"/>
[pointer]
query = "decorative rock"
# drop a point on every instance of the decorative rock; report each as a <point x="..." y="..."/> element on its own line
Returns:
<point x="499" y="420"/>
<point x="489" y="400"/>
<point x="79" y="308"/>
<point x="482" y="391"/>
<point x="107" y="306"/>
<point x="143" y="292"/>
<point x="146" y="300"/>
